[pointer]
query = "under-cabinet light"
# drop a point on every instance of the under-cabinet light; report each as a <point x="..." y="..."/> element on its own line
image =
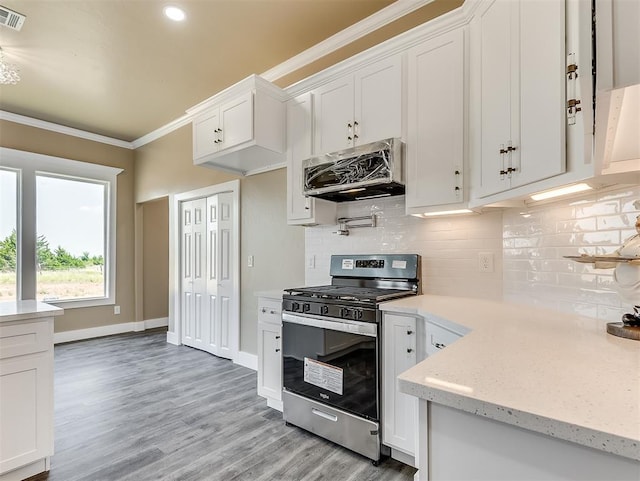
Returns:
<point x="571" y="189"/>
<point x="445" y="212"/>
<point x="351" y="191"/>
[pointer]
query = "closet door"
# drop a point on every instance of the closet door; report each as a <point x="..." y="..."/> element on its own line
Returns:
<point x="193" y="280"/>
<point x="219" y="274"/>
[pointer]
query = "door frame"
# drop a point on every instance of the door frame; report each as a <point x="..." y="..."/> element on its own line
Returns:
<point x="174" y="334"/>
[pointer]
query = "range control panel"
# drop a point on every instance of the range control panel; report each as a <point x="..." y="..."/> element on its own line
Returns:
<point x="370" y="263"/>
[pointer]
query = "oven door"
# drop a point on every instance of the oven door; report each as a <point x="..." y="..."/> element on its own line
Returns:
<point x="332" y="361"/>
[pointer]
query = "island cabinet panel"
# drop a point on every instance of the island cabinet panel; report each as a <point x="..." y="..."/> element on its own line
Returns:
<point x="359" y="108"/>
<point x="494" y="450"/>
<point x="26" y="397"/>
<point x="435" y="129"/>
<point x="518" y="72"/>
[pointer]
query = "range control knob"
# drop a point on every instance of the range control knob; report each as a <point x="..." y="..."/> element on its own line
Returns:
<point x="345" y="313"/>
<point x="324" y="310"/>
<point x="295" y="306"/>
<point x="306" y="307"/>
<point x="357" y="314"/>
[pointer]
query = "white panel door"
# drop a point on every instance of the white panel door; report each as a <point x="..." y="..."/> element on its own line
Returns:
<point x="399" y="410"/>
<point x="194" y="284"/>
<point x="333" y="106"/>
<point x="299" y="125"/>
<point x="496" y="70"/>
<point x="435" y="148"/>
<point x="236" y="121"/>
<point x="225" y="314"/>
<point x="212" y="343"/>
<point x="378" y="101"/>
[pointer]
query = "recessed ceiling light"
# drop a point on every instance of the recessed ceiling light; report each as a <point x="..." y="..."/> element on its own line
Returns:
<point x="174" y="13"/>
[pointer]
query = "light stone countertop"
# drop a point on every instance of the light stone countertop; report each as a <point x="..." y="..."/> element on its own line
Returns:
<point x="21" y="310"/>
<point x="550" y="372"/>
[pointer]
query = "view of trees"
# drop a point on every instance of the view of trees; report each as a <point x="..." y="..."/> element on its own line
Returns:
<point x="48" y="260"/>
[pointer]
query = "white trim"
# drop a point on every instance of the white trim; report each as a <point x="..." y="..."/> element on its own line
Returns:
<point x="262" y="170"/>
<point x="356" y="31"/>
<point x="30" y="165"/>
<point x="108" y="330"/>
<point x="161" y="131"/>
<point x="61" y="129"/>
<point x="247" y="359"/>
<point x="173" y="339"/>
<point x="93" y="332"/>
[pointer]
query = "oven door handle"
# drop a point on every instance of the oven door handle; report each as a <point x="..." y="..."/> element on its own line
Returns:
<point x="353" y="327"/>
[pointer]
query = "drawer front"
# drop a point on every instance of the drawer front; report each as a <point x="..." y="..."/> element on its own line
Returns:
<point x="438" y="337"/>
<point x="269" y="310"/>
<point x="25" y="338"/>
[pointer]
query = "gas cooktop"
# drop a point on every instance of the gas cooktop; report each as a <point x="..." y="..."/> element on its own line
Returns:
<point x="349" y="293"/>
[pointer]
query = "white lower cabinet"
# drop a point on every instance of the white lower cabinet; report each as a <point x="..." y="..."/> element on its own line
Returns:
<point x="399" y="410"/>
<point x="269" y="351"/>
<point x="406" y="341"/>
<point x="26" y="397"/>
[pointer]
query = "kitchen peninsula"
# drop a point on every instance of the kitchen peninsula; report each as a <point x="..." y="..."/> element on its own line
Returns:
<point x="528" y="393"/>
<point x="26" y="387"/>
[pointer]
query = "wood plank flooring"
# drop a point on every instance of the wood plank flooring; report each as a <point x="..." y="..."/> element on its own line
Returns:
<point x="132" y="407"/>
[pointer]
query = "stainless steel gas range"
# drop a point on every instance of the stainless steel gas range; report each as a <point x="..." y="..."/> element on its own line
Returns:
<point x="331" y="348"/>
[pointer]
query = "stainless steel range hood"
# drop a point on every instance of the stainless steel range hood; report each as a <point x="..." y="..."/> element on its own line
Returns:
<point x="363" y="172"/>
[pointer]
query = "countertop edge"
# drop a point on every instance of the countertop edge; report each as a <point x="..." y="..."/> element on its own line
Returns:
<point x="25" y="310"/>
<point x="554" y="428"/>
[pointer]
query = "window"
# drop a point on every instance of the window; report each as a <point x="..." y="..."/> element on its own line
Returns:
<point x="8" y="235"/>
<point x="70" y="243"/>
<point x="64" y="222"/>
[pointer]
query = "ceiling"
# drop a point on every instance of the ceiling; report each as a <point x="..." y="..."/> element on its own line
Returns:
<point x="119" y="68"/>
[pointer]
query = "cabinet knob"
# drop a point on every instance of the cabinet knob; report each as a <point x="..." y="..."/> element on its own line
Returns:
<point x="439" y="345"/>
<point x="409" y="333"/>
<point x="272" y="312"/>
<point x="277" y="350"/>
<point x="277" y="337"/>
<point x="409" y="350"/>
<point x="264" y="309"/>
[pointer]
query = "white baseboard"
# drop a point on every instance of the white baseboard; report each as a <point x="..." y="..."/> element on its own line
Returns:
<point x="109" y="330"/>
<point x="172" y="338"/>
<point x="247" y="360"/>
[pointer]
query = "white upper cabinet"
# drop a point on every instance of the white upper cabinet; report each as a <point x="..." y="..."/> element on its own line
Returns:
<point x="435" y="127"/>
<point x="302" y="210"/>
<point x="242" y="129"/>
<point x="518" y="75"/>
<point x="359" y="108"/>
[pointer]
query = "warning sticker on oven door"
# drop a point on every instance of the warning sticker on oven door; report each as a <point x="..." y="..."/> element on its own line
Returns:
<point x="323" y="375"/>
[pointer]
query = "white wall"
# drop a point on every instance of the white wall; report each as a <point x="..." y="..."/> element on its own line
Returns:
<point x="527" y="250"/>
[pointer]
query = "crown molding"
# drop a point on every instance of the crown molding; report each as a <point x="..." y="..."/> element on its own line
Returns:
<point x="61" y="129"/>
<point x="358" y="30"/>
<point x="161" y="131"/>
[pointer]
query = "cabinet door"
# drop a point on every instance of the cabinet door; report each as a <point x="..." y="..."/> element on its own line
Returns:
<point x="333" y="108"/>
<point x="400" y="411"/>
<point x="496" y="45"/>
<point x="541" y="143"/>
<point x="269" y="361"/>
<point x="236" y="121"/>
<point x="378" y="101"/>
<point x="435" y="153"/>
<point x="205" y="135"/>
<point x="299" y="148"/>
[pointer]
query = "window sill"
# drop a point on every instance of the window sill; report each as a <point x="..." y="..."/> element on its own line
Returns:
<point x="81" y="303"/>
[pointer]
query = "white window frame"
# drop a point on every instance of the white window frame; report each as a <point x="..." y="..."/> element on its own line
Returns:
<point x="29" y="165"/>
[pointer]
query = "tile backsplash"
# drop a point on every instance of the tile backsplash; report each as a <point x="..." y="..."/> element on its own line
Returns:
<point x="527" y="245"/>
<point x="536" y="239"/>
<point x="449" y="246"/>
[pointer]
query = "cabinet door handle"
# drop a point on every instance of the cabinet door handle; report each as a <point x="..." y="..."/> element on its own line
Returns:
<point x="409" y="333"/>
<point x="409" y="350"/>
<point x="277" y="337"/>
<point x="277" y="350"/>
<point x="264" y="309"/>
<point x="349" y="131"/>
<point x="273" y="312"/>
<point x="439" y="345"/>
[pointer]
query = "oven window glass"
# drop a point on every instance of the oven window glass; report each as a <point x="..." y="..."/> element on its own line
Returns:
<point x="335" y="368"/>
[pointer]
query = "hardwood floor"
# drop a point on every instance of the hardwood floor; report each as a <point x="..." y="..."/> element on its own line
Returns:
<point x="132" y="407"/>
